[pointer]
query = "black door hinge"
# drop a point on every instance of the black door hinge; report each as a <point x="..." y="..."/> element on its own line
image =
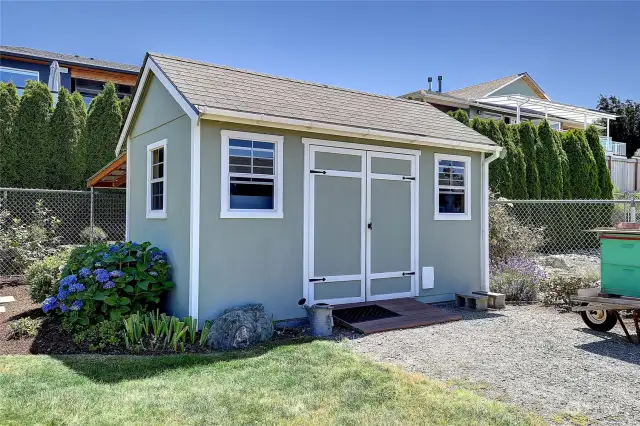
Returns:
<point x="408" y="178"/>
<point x="323" y="172"/>
<point x="370" y="225"/>
<point x="404" y="274"/>
<point x="313" y="280"/>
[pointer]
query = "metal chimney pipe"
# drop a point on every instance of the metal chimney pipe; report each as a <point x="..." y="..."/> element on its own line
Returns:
<point x="430" y="80"/>
<point x="439" y="83"/>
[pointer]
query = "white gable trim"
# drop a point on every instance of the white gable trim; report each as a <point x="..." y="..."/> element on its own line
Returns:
<point x="503" y="86"/>
<point x="151" y="67"/>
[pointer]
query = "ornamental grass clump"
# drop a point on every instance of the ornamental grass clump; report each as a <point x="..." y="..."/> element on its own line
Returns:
<point x="519" y="279"/>
<point x="108" y="282"/>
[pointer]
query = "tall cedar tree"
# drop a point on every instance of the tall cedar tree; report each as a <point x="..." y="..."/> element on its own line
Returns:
<point x="460" y="115"/>
<point x="604" y="177"/>
<point x="103" y="128"/>
<point x="124" y="106"/>
<point x="30" y="135"/>
<point x="582" y="166"/>
<point x="80" y="149"/>
<point x="548" y="160"/>
<point x="567" y="194"/>
<point x="529" y="144"/>
<point x="63" y="140"/>
<point x="515" y="159"/>
<point x="500" y="180"/>
<point x="625" y="128"/>
<point x="9" y="104"/>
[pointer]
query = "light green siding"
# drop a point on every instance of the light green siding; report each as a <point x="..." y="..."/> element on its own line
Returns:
<point x="518" y="87"/>
<point x="261" y="260"/>
<point x="170" y="234"/>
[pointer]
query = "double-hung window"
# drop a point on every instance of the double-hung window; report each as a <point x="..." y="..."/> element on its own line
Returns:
<point x="251" y="175"/>
<point x="157" y="180"/>
<point x="452" y="199"/>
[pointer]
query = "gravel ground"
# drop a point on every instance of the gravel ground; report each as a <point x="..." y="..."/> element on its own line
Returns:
<point x="547" y="361"/>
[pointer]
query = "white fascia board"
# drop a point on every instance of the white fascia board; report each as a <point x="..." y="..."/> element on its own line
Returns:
<point x="152" y="67"/>
<point x="338" y="130"/>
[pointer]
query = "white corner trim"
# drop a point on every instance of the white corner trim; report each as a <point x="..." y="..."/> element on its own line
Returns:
<point x="157" y="214"/>
<point x="194" y="221"/>
<point x="467" y="188"/>
<point x="127" y="233"/>
<point x="337" y="130"/>
<point x="484" y="226"/>
<point x="225" y="210"/>
<point x="152" y="67"/>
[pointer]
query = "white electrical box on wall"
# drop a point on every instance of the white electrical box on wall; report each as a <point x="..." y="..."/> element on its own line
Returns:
<point x="427" y="277"/>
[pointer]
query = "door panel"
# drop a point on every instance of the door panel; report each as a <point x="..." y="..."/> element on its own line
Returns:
<point x="337" y="221"/>
<point x="391" y="219"/>
<point x="395" y="285"/>
<point x="390" y="166"/>
<point x="337" y="231"/>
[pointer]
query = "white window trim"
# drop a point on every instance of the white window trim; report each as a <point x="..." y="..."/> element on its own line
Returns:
<point x="157" y="214"/>
<point x="467" y="188"/>
<point x="225" y="211"/>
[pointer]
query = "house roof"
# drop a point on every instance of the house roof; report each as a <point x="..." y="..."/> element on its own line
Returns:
<point x="65" y="59"/>
<point x="481" y="90"/>
<point x="438" y="98"/>
<point x="206" y="85"/>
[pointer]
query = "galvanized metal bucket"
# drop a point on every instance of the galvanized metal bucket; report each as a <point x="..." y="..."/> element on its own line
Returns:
<point x="320" y="319"/>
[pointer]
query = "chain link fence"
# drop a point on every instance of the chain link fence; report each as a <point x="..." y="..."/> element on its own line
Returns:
<point x="564" y="225"/>
<point x="35" y="223"/>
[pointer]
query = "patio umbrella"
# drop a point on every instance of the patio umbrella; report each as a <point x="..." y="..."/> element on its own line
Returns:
<point x="54" y="78"/>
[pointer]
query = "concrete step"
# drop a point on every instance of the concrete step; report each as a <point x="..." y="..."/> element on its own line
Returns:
<point x="475" y="302"/>
<point x="496" y="300"/>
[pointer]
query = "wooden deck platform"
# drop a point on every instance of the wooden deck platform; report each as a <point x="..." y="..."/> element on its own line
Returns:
<point x="411" y="314"/>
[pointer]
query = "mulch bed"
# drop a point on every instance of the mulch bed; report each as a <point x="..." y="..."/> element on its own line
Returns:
<point x="52" y="339"/>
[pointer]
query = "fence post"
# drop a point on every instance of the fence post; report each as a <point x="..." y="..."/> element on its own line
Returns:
<point x="91" y="221"/>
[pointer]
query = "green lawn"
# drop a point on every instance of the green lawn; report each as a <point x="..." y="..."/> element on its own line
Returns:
<point x="303" y="383"/>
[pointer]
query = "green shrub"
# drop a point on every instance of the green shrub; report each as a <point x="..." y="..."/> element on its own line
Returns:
<point x="500" y="180"/>
<point x="43" y="275"/>
<point x="549" y="166"/>
<point x="24" y="327"/>
<point x="9" y="152"/>
<point x="518" y="278"/>
<point x="100" y="335"/>
<point x="99" y="236"/>
<point x="103" y="128"/>
<point x="103" y="282"/>
<point x="530" y="147"/>
<point x="508" y="237"/>
<point x="460" y="115"/>
<point x="582" y="170"/>
<point x="604" y="176"/>
<point x="516" y="161"/>
<point x="559" y="288"/>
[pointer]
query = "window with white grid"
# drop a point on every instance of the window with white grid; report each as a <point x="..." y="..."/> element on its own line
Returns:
<point x="251" y="175"/>
<point x="157" y="180"/>
<point x="452" y="199"/>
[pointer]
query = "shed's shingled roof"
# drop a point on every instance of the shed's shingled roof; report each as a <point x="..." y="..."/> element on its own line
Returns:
<point x="215" y="86"/>
<point x="482" y="89"/>
<point x="66" y="59"/>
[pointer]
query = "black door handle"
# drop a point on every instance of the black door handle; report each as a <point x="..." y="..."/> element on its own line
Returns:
<point x="370" y="225"/>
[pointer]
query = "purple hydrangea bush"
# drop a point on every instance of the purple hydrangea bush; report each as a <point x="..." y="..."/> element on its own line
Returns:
<point x="108" y="282"/>
<point x="518" y="278"/>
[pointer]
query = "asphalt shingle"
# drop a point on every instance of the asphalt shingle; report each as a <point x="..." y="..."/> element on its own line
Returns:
<point x="482" y="89"/>
<point x="215" y="86"/>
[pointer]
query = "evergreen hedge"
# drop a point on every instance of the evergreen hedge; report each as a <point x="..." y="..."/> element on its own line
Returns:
<point x="516" y="160"/>
<point x="582" y="171"/>
<point x="62" y="139"/>
<point x="103" y="129"/>
<point x="548" y="162"/>
<point x="9" y="104"/>
<point x="460" y="115"/>
<point x="530" y="146"/>
<point x="500" y="180"/>
<point x="604" y="177"/>
<point x="30" y="135"/>
<point x="80" y="150"/>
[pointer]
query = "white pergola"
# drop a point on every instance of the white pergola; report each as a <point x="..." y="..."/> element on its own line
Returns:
<point x="546" y="108"/>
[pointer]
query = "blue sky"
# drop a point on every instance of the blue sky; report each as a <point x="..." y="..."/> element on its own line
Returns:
<point x="575" y="51"/>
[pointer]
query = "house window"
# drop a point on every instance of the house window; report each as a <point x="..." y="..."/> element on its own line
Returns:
<point x="18" y="77"/>
<point x="251" y="175"/>
<point x="157" y="180"/>
<point x="452" y="198"/>
<point x="491" y="115"/>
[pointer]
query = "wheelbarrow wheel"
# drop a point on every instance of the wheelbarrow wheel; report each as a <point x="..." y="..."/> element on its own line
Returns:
<point x="599" y="320"/>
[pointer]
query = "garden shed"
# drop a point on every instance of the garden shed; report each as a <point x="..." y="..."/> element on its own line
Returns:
<point x="267" y="189"/>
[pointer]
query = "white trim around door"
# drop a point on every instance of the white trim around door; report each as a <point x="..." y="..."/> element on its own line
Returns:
<point x="366" y="151"/>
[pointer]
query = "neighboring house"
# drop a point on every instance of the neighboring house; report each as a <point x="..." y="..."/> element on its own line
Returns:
<point x="517" y="98"/>
<point x="77" y="73"/>
<point x="267" y="189"/>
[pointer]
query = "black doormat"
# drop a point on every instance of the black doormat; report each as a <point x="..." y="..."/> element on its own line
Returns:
<point x="363" y="314"/>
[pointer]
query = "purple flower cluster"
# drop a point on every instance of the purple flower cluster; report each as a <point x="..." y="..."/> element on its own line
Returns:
<point x="524" y="267"/>
<point x="102" y="275"/>
<point x="84" y="273"/>
<point x="49" y="304"/>
<point x="108" y="285"/>
<point x="76" y="305"/>
<point x="159" y="256"/>
<point x="116" y="274"/>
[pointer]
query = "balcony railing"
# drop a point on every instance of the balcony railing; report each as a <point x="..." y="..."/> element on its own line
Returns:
<point x="615" y="148"/>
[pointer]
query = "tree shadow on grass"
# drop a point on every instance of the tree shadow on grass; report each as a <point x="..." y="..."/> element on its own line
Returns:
<point x="110" y="369"/>
<point x="612" y="345"/>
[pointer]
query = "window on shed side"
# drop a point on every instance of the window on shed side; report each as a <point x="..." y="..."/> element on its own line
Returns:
<point x="452" y="200"/>
<point x="156" y="183"/>
<point x="252" y="175"/>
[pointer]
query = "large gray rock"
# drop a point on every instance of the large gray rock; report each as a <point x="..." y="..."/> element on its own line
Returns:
<point x="240" y="327"/>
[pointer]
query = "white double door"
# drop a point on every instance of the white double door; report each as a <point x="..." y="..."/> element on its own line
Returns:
<point x="362" y="219"/>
